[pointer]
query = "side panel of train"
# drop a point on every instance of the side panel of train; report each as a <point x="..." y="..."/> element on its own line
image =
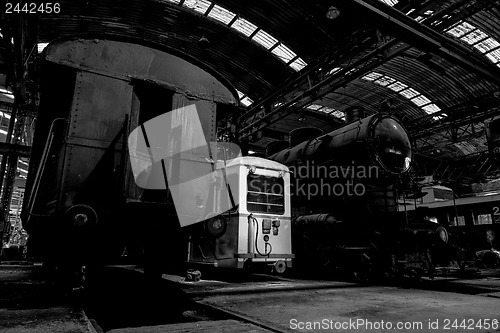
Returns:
<point x="474" y="221"/>
<point x="95" y="92"/>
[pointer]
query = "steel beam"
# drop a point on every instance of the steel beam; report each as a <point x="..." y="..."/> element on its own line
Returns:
<point x="19" y="150"/>
<point x="426" y="39"/>
<point x="358" y="68"/>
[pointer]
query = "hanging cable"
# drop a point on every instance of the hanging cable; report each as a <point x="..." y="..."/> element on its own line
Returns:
<point x="266" y="254"/>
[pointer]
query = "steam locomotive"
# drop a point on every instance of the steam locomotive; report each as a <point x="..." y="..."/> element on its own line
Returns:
<point x="344" y="197"/>
<point x="124" y="129"/>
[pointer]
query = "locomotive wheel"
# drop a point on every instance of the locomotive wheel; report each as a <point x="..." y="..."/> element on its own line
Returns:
<point x="81" y="215"/>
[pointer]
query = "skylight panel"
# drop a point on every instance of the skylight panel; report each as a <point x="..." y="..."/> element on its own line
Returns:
<point x="461" y="29"/>
<point x="371" y="76"/>
<point x="338" y="114"/>
<point x="397" y="86"/>
<point x="494" y="56"/>
<point x="314" y="107"/>
<point x="390" y="2"/>
<point x="385" y="80"/>
<point x="284" y="53"/>
<point x="243" y="26"/>
<point x="409" y="93"/>
<point x="421" y="100"/>
<point x="201" y="6"/>
<point x="264" y="39"/>
<point x="487" y="45"/>
<point x="474" y="37"/>
<point x="326" y="109"/>
<point x="41" y="46"/>
<point x="333" y="71"/>
<point x="221" y="14"/>
<point x="333" y="112"/>
<point x="298" y="64"/>
<point x="246" y="101"/>
<point x="431" y="108"/>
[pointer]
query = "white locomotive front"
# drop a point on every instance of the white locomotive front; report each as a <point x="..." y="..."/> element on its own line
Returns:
<point x="258" y="230"/>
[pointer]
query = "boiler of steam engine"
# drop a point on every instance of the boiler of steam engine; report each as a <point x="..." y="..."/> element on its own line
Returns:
<point x="378" y="140"/>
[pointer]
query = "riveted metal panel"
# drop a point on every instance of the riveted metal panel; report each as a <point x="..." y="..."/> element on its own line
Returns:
<point x="130" y="61"/>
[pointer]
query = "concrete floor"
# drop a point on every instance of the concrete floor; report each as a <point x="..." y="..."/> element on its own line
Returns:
<point x="440" y="305"/>
<point x="119" y="298"/>
<point x="29" y="305"/>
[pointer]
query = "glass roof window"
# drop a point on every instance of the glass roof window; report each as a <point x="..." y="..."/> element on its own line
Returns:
<point x="413" y="95"/>
<point x="478" y="39"/>
<point x="41" y="47"/>
<point x="244" y="99"/>
<point x="384" y="81"/>
<point x="409" y="93"/>
<point x="328" y="110"/>
<point x="201" y="6"/>
<point x="390" y="2"/>
<point x="333" y="112"/>
<point x="243" y="26"/>
<point x="372" y="76"/>
<point x="397" y="86"/>
<point x="314" y="107"/>
<point x="246" y="28"/>
<point x="298" y="64"/>
<point x="420" y="100"/>
<point x="221" y="14"/>
<point x="264" y="39"/>
<point x="431" y="108"/>
<point x="284" y="53"/>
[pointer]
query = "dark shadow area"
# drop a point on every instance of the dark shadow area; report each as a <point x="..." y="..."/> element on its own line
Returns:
<point x="116" y="297"/>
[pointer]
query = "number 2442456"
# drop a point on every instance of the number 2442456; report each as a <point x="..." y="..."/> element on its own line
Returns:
<point x="33" y="8"/>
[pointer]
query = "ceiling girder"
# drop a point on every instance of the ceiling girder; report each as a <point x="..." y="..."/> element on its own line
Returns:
<point x="363" y="65"/>
<point x="426" y="39"/>
<point x="287" y="89"/>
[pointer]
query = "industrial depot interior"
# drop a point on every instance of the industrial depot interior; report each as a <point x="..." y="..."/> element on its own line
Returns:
<point x="315" y="95"/>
